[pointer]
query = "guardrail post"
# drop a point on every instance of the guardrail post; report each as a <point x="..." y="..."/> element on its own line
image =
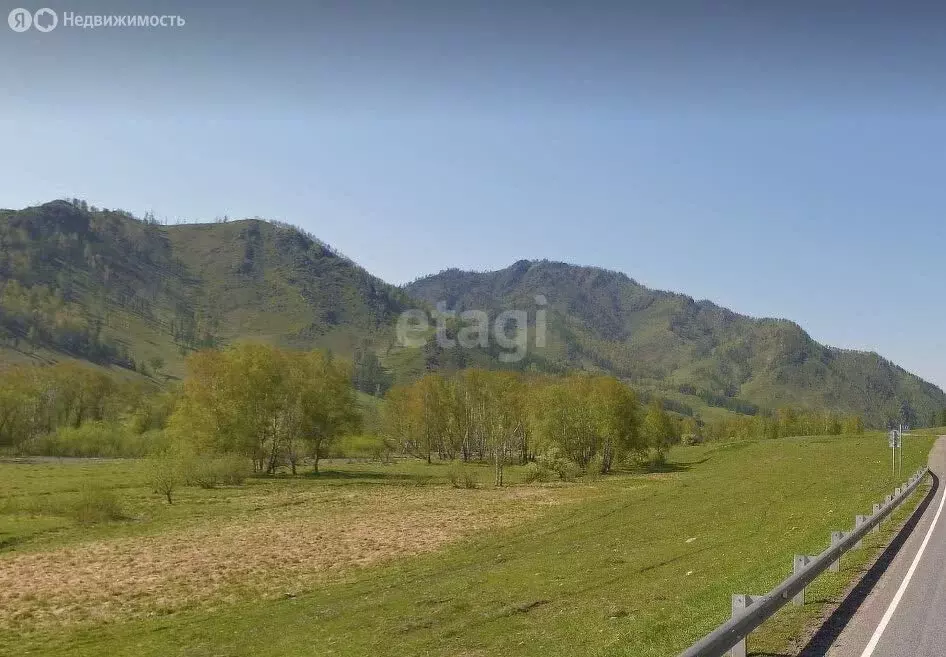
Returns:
<point x="877" y="526"/>
<point x="801" y="562"/>
<point x="858" y="521"/>
<point x="748" y="611"/>
<point x="739" y="604"/>
<point x="897" y="491"/>
<point x="836" y="537"/>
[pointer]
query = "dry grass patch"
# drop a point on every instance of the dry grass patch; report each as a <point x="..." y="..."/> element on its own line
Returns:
<point x="290" y="542"/>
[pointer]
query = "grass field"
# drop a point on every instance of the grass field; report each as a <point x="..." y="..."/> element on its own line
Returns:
<point x="372" y="559"/>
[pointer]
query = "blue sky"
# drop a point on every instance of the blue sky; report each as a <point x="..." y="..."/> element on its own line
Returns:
<point x="777" y="165"/>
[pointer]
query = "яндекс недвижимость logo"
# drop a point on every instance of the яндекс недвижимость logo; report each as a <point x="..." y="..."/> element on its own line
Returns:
<point x="46" y="20"/>
<point x="43" y="20"/>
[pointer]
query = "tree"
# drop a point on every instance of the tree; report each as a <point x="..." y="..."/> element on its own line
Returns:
<point x="559" y="417"/>
<point x="324" y="403"/>
<point x="263" y="402"/>
<point x="401" y="419"/>
<point x="157" y="364"/>
<point x="165" y="475"/>
<point x="907" y="415"/>
<point x="658" y="430"/>
<point x="505" y="422"/>
<point x="586" y="418"/>
<point x="614" y="410"/>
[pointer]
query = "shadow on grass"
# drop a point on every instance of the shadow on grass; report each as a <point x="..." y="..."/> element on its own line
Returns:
<point x="662" y="468"/>
<point x="353" y="476"/>
<point x="668" y="467"/>
<point x="10" y="542"/>
<point x="831" y="629"/>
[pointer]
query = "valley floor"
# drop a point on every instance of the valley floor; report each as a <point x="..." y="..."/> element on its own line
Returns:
<point x="370" y="559"/>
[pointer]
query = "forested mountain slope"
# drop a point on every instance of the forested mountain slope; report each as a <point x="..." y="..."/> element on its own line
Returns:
<point x="135" y="296"/>
<point x="104" y="286"/>
<point x="604" y="320"/>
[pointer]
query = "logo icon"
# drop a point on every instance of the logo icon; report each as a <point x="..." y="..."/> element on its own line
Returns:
<point x="20" y="20"/>
<point x="45" y="20"/>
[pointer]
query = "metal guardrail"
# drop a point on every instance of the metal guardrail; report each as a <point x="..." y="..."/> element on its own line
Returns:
<point x="748" y="612"/>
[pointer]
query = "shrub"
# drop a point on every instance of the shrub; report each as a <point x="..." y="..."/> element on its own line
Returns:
<point x="462" y="476"/>
<point x="536" y="473"/>
<point x="691" y="439"/>
<point x="97" y="504"/>
<point x="566" y="469"/>
<point x="96" y="439"/>
<point x="152" y="413"/>
<point x="150" y="442"/>
<point x="212" y="470"/>
<point x="659" y="459"/>
<point x="569" y="471"/>
<point x="203" y="472"/>
<point x="232" y="469"/>
<point x="595" y="467"/>
<point x="165" y="474"/>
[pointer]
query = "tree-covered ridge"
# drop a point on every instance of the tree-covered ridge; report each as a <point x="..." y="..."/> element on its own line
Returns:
<point x="605" y="321"/>
<point x="105" y="286"/>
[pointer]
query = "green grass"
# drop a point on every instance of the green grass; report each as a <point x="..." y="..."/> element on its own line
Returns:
<point x="632" y="565"/>
<point x="38" y="495"/>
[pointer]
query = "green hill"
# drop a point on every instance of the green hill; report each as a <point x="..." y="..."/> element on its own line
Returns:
<point x="136" y="297"/>
<point x="106" y="287"/>
<point x="604" y="320"/>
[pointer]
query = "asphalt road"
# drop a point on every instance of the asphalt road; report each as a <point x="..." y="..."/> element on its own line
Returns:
<point x="899" y="610"/>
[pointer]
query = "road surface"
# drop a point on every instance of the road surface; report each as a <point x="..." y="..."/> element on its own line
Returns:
<point x="899" y="610"/>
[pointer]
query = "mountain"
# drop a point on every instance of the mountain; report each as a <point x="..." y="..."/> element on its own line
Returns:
<point x="103" y="286"/>
<point x="136" y="297"/>
<point x="670" y="343"/>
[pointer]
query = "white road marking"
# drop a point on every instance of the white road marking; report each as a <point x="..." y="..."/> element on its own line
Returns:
<point x="869" y="650"/>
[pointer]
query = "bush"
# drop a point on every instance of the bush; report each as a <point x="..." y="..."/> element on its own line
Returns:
<point x="209" y="470"/>
<point x="691" y="439"/>
<point x="536" y="473"/>
<point x="462" y="476"/>
<point x="658" y="460"/>
<point x="595" y="467"/>
<point x="569" y="471"/>
<point x="203" y="472"/>
<point x="566" y="469"/>
<point x="152" y="413"/>
<point x="97" y="504"/>
<point x="232" y="469"/>
<point x="96" y="439"/>
<point x="165" y="474"/>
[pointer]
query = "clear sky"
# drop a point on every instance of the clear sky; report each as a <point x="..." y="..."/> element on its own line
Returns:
<point x="780" y="162"/>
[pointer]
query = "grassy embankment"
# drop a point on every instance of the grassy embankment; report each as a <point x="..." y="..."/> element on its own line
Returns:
<point x="390" y="560"/>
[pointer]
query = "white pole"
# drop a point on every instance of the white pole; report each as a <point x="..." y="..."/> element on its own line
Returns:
<point x="900" y="440"/>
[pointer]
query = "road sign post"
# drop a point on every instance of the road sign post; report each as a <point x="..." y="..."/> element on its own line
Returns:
<point x="900" y="445"/>
<point x="895" y="440"/>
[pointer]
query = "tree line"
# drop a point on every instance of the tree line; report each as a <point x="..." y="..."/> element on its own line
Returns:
<point x="35" y="401"/>
<point x="276" y="408"/>
<point x="782" y="423"/>
<point x="267" y="404"/>
<point x="507" y="417"/>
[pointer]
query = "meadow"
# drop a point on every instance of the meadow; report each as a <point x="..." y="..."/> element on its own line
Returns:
<point x="391" y="559"/>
